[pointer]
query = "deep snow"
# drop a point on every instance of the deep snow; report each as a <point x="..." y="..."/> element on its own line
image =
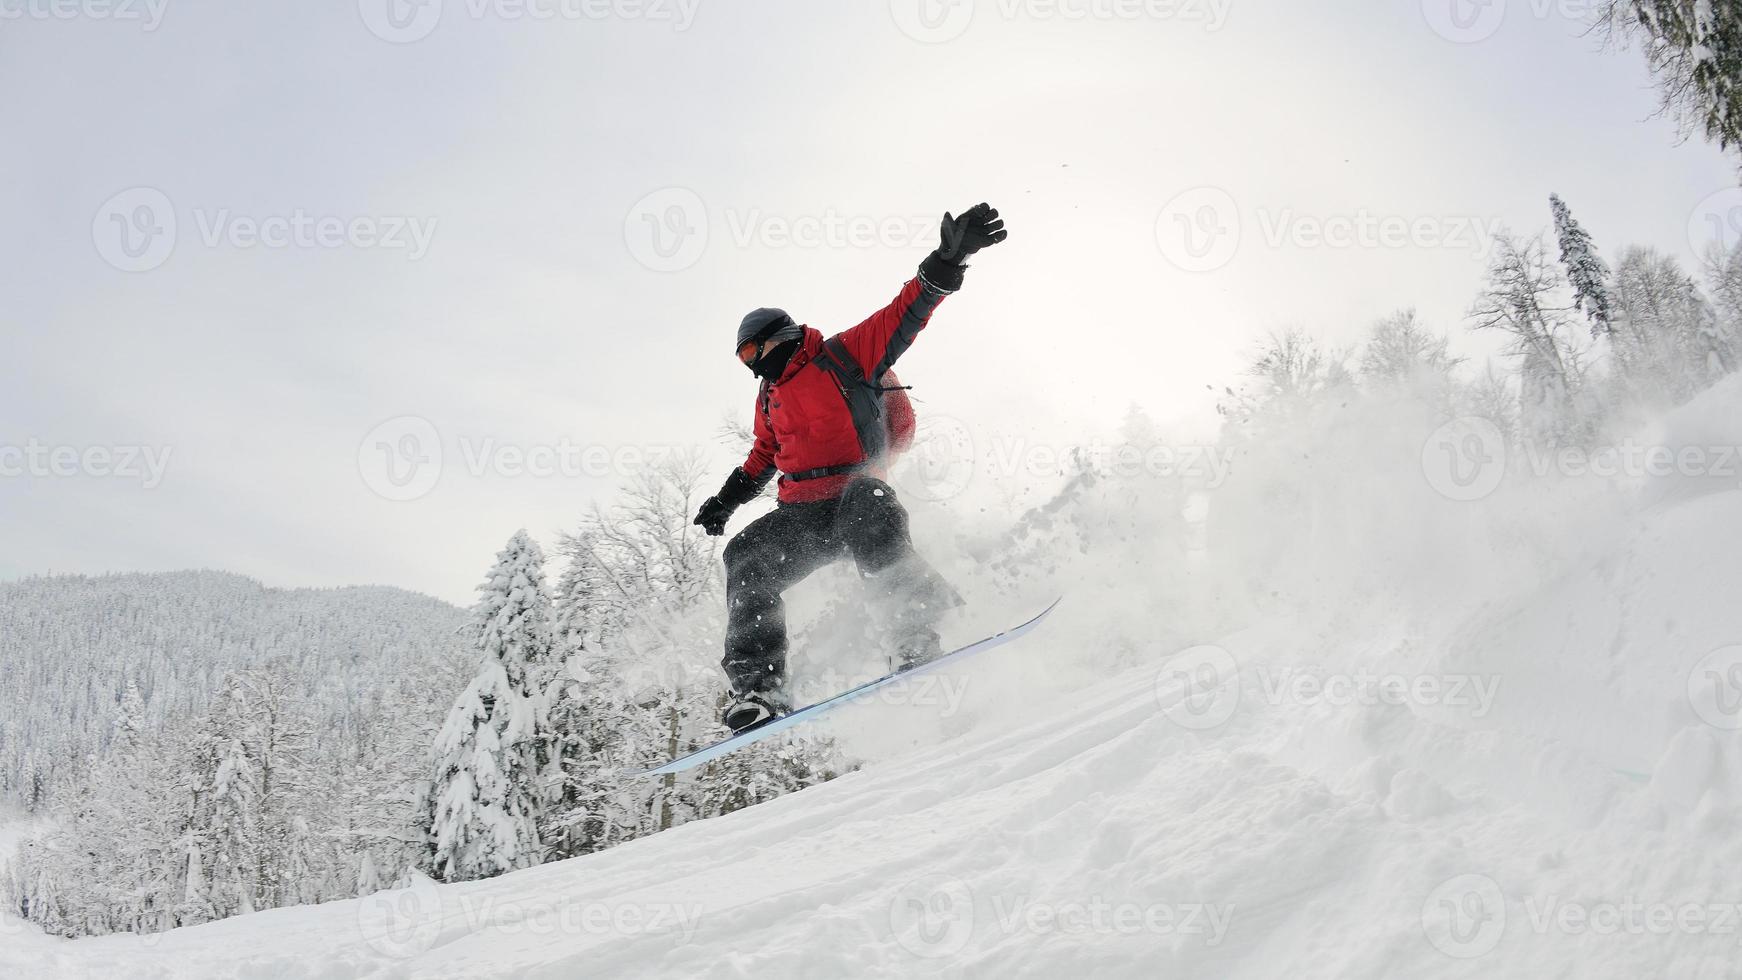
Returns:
<point x="1556" y="795"/>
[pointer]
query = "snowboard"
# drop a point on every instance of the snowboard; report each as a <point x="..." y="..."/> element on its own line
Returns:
<point x="813" y="711"/>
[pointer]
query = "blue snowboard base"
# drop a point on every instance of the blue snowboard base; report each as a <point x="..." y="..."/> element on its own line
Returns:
<point x="810" y="712"/>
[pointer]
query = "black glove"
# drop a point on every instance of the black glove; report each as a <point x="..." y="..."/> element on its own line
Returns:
<point x="740" y="489"/>
<point x="713" y="516"/>
<point x="978" y="227"/>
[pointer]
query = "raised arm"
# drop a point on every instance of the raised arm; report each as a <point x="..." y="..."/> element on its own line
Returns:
<point x="883" y="337"/>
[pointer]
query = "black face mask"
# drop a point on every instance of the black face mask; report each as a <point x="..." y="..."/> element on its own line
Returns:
<point x="772" y="363"/>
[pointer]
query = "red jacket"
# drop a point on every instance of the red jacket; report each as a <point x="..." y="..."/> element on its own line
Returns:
<point x="807" y="425"/>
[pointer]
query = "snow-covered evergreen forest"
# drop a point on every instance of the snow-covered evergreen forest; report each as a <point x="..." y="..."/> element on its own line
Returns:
<point x="201" y="746"/>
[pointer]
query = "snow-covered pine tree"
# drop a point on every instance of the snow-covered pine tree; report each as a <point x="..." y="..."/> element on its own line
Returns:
<point x="1695" y="47"/>
<point x="486" y="802"/>
<point x="130" y="722"/>
<point x="1585" y="270"/>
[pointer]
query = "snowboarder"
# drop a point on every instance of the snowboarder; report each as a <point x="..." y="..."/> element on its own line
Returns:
<point x="828" y="414"/>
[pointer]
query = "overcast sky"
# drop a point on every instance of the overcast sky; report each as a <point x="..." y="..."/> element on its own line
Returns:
<point x="283" y="256"/>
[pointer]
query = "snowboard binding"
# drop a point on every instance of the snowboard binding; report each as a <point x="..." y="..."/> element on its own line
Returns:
<point x="753" y="709"/>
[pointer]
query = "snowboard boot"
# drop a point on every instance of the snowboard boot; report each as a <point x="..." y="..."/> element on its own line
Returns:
<point x="908" y="598"/>
<point x="914" y="648"/>
<point x="753" y="709"/>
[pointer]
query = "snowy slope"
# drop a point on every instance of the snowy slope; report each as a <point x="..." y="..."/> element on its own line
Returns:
<point x="1555" y="792"/>
<point x="1143" y="835"/>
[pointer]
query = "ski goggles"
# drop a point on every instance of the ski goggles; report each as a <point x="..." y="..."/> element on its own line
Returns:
<point x="750" y="350"/>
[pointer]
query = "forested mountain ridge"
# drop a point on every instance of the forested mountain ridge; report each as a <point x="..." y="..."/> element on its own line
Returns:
<point x="70" y="646"/>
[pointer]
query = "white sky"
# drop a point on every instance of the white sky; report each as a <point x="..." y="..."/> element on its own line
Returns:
<point x="527" y="147"/>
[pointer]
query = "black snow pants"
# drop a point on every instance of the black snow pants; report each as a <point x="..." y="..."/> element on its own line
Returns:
<point x="782" y="548"/>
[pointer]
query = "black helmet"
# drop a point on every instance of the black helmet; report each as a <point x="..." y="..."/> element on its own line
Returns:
<point x="761" y="324"/>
